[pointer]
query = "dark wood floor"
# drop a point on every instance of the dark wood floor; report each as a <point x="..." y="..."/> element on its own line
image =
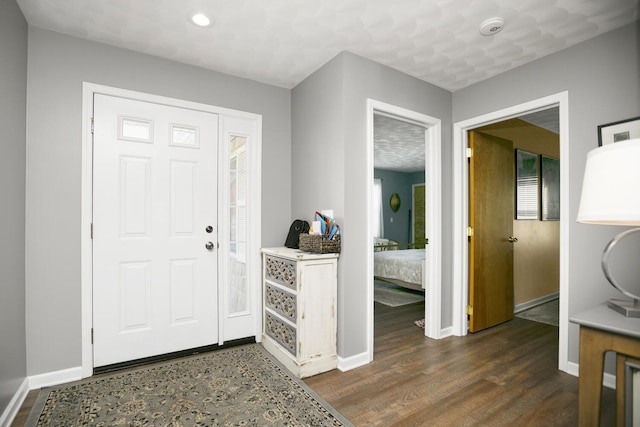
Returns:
<point x="505" y="376"/>
<point x="23" y="414"/>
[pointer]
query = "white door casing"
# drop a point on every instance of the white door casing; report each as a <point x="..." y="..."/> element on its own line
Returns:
<point x="238" y="304"/>
<point x="460" y="282"/>
<point x="253" y="272"/>
<point x="432" y="277"/>
<point x="155" y="194"/>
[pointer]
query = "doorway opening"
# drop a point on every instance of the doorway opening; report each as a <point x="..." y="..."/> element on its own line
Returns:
<point x="461" y="209"/>
<point x="514" y="247"/>
<point x="429" y="129"/>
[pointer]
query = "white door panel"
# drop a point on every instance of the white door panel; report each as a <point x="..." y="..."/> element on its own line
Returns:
<point x="155" y="192"/>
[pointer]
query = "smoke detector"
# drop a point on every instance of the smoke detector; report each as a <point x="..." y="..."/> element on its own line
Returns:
<point x="491" y="26"/>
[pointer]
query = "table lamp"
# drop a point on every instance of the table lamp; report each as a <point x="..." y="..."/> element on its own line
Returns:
<point x="611" y="196"/>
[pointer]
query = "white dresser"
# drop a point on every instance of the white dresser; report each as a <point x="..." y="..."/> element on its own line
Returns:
<point x="299" y="309"/>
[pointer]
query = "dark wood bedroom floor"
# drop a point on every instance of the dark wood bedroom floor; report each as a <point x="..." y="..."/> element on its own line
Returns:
<point x="504" y="376"/>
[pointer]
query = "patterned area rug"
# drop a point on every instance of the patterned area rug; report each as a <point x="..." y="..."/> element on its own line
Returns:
<point x="238" y="386"/>
<point x="395" y="296"/>
<point x="548" y="313"/>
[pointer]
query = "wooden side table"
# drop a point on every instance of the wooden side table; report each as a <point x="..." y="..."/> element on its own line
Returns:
<point x="602" y="330"/>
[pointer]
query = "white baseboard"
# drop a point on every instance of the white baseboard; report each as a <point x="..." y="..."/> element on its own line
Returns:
<point x="608" y="380"/>
<point x="55" y="378"/>
<point x="14" y="405"/>
<point x="349" y="363"/>
<point x="446" y="332"/>
<point x="534" y="302"/>
<point x="34" y="382"/>
<point x="573" y="369"/>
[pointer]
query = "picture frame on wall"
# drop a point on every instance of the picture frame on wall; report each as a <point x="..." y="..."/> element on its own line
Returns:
<point x="550" y="188"/>
<point x="618" y="131"/>
<point x="526" y="184"/>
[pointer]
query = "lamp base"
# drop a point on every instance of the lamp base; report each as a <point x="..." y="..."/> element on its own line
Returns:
<point x="628" y="308"/>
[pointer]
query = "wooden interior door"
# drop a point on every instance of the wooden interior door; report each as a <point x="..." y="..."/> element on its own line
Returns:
<point x="491" y="205"/>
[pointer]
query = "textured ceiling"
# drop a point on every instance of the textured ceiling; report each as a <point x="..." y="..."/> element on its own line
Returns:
<point x="397" y="145"/>
<point x="281" y="42"/>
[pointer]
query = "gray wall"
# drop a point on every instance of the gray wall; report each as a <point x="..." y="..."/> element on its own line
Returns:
<point x="329" y="113"/>
<point x="317" y="159"/>
<point x="329" y="110"/>
<point x="325" y="113"/>
<point x="602" y="78"/>
<point x="13" y="98"/>
<point x="317" y="156"/>
<point x="58" y="65"/>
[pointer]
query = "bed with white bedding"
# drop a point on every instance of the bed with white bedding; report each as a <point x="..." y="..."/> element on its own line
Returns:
<point x="401" y="267"/>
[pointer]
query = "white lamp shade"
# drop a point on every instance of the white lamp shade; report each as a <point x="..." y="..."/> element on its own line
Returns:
<point x="611" y="186"/>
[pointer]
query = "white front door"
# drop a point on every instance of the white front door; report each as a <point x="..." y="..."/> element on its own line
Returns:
<point x="154" y="213"/>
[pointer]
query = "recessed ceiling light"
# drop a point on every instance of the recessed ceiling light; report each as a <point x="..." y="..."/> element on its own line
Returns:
<point x="491" y="26"/>
<point x="201" y="20"/>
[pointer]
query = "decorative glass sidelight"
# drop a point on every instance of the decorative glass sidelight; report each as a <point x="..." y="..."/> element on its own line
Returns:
<point x="238" y="290"/>
<point x="239" y="256"/>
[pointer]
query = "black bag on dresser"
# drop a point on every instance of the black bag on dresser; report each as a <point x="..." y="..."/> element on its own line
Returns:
<point x="298" y="226"/>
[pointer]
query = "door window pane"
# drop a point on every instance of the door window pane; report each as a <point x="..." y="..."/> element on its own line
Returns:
<point x="238" y="294"/>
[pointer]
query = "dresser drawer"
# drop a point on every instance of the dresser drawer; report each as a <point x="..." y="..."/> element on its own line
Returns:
<point x="281" y="271"/>
<point x="281" y="301"/>
<point x="281" y="332"/>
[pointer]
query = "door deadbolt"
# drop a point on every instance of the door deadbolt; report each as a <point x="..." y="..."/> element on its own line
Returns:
<point x="209" y="229"/>
<point x="209" y="246"/>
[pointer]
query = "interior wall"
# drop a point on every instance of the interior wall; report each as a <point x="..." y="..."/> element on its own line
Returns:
<point x="335" y="97"/>
<point x="600" y="75"/>
<point x="317" y="163"/>
<point x="364" y="79"/>
<point x="536" y="267"/>
<point x="58" y="65"/>
<point x="13" y="98"/>
<point x="601" y="78"/>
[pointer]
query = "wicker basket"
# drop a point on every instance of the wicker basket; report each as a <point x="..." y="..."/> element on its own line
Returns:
<point x="319" y="244"/>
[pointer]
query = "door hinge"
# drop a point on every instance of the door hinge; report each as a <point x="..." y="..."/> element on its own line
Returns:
<point x="470" y="310"/>
<point x="469" y="153"/>
<point x="91" y="125"/>
<point x="91" y="230"/>
<point x="91" y="335"/>
<point x="469" y="231"/>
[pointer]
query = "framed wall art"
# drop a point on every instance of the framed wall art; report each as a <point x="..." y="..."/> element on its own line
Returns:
<point x="619" y="131"/>
<point x="550" y="188"/>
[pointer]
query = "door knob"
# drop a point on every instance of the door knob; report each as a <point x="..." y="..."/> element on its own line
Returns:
<point x="513" y="239"/>
<point x="209" y="246"/>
